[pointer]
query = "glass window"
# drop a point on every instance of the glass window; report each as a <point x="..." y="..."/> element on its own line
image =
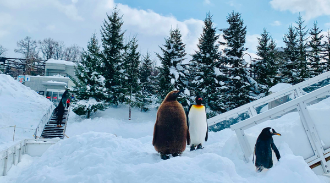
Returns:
<point x="55" y="97"/>
<point x="49" y="95"/>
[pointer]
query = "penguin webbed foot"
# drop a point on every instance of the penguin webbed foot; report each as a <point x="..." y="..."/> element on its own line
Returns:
<point x="260" y="168"/>
<point x="164" y="156"/>
<point x="192" y="148"/>
<point x="200" y="146"/>
<point x="175" y="154"/>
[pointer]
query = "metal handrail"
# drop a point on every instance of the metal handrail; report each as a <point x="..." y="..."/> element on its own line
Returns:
<point x="296" y="89"/>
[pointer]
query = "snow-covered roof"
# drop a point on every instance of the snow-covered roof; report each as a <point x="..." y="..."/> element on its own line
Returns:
<point x="55" y="83"/>
<point x="53" y="61"/>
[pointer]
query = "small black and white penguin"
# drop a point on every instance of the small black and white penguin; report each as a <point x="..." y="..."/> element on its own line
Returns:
<point x="263" y="149"/>
<point x="197" y="124"/>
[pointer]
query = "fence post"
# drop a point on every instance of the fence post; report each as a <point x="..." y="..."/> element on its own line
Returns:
<point x="313" y="137"/>
<point x="14" y="155"/>
<point x="5" y="164"/>
<point x="244" y="144"/>
<point x="19" y="152"/>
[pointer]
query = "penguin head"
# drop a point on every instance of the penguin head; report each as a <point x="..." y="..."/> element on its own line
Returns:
<point x="268" y="132"/>
<point x="173" y="95"/>
<point x="198" y="100"/>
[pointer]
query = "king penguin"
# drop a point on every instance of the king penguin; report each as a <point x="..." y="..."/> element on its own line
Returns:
<point x="170" y="131"/>
<point x="263" y="149"/>
<point x="197" y="124"/>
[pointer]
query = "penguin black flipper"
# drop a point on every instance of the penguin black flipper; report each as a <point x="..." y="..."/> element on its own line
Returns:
<point x="188" y="137"/>
<point x="187" y="113"/>
<point x="207" y="133"/>
<point x="207" y="129"/>
<point x="277" y="153"/>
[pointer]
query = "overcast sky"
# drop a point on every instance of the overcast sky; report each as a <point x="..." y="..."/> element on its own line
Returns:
<point x="74" y="21"/>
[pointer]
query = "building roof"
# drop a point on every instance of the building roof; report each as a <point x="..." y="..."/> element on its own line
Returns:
<point x="53" y="61"/>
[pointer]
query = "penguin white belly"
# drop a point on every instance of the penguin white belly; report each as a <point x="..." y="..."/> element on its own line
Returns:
<point x="197" y="125"/>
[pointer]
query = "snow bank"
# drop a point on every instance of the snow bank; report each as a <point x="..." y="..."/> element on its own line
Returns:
<point x="20" y="106"/>
<point x="110" y="148"/>
<point x="278" y="87"/>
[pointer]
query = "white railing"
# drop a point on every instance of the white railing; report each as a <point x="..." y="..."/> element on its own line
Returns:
<point x="13" y="155"/>
<point x="320" y="154"/>
<point x="43" y="121"/>
<point x="253" y="109"/>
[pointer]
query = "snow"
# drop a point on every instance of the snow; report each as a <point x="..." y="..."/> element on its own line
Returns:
<point x="57" y="82"/>
<point x="53" y="61"/>
<point x="20" y="106"/>
<point x="278" y="87"/>
<point x="110" y="148"/>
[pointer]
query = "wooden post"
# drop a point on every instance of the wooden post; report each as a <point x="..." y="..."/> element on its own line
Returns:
<point x="14" y="133"/>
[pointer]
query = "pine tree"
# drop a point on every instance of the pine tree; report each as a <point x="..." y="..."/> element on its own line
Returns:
<point x="112" y="60"/>
<point x="302" y="50"/>
<point x="314" y="54"/>
<point x="240" y="85"/>
<point x="289" y="67"/>
<point x="131" y="72"/>
<point x="266" y="67"/>
<point x="203" y="62"/>
<point x="326" y="52"/>
<point x="145" y="95"/>
<point x="90" y="82"/>
<point x="171" y="72"/>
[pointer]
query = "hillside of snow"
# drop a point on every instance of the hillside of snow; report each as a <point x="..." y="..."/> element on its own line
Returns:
<point x="110" y="148"/>
<point x="20" y="106"/>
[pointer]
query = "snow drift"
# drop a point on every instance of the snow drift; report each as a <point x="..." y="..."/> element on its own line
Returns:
<point x="20" y="106"/>
<point x="109" y="148"/>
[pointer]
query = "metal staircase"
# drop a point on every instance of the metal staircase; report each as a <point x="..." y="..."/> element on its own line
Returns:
<point x="51" y="130"/>
<point x="300" y="97"/>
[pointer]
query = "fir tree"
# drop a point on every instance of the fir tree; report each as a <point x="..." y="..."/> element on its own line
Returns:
<point x="113" y="48"/>
<point x="289" y="67"/>
<point x="147" y="88"/>
<point x="266" y="67"/>
<point x="302" y="50"/>
<point x="326" y="52"/>
<point x="131" y="72"/>
<point x="203" y="62"/>
<point x="314" y="54"/>
<point x="240" y="85"/>
<point x="90" y="82"/>
<point x="171" y="72"/>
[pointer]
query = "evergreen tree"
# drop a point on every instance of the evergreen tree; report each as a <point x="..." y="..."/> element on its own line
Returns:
<point x="289" y="67"/>
<point x="171" y="72"/>
<point x="90" y="82"/>
<point x="266" y="67"/>
<point x="240" y="85"/>
<point x="131" y="72"/>
<point x="302" y="50"/>
<point x="326" y="52"/>
<point x="314" y="54"/>
<point x="112" y="60"/>
<point x="144" y="97"/>
<point x="203" y="62"/>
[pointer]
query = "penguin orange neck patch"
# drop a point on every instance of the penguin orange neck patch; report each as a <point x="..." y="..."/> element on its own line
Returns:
<point x="198" y="106"/>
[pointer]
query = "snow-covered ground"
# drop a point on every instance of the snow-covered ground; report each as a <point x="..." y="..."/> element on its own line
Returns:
<point x="20" y="106"/>
<point x="110" y="148"/>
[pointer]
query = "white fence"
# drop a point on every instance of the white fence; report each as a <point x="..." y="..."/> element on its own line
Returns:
<point x="12" y="155"/>
<point x="43" y="121"/>
<point x="300" y="96"/>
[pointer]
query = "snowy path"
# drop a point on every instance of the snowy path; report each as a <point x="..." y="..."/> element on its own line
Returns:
<point x="94" y="154"/>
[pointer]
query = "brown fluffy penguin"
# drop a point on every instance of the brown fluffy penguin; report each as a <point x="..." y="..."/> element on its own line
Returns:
<point x="171" y="131"/>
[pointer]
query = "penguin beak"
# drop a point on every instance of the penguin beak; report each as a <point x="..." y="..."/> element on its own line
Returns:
<point x="277" y="134"/>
